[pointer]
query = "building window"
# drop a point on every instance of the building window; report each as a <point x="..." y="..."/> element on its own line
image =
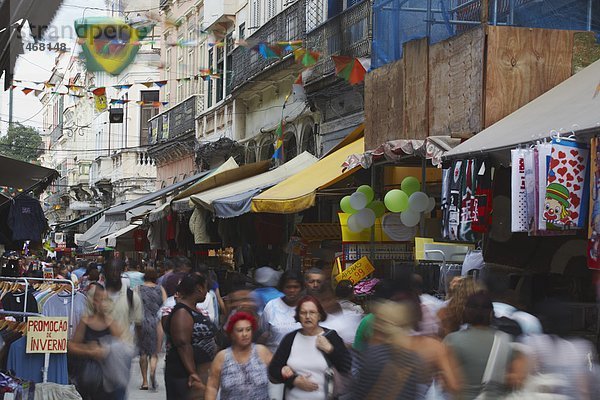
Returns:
<point x="221" y="71"/>
<point x="256" y="14"/>
<point x="228" y="73"/>
<point x="242" y="30"/>
<point x="271" y="9"/>
<point x="210" y="80"/>
<point x="147" y="112"/>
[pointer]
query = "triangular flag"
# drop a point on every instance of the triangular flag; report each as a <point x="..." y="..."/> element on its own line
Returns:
<point x="49" y="85"/>
<point x="278" y="154"/>
<point x="164" y="103"/>
<point x="148" y="84"/>
<point x="160" y="83"/>
<point x="140" y="103"/>
<point x="27" y="91"/>
<point x="36" y="92"/>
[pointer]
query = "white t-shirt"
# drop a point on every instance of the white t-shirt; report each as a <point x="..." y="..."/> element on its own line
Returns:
<point x="344" y="323"/>
<point x="305" y="358"/>
<point x="278" y="320"/>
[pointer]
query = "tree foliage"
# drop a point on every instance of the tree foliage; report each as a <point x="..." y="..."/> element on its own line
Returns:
<point x="21" y="142"/>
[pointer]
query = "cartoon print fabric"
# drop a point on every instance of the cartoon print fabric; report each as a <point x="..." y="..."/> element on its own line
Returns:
<point x="567" y="189"/>
<point x="593" y="256"/>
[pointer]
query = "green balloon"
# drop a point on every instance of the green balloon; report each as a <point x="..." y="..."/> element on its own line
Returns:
<point x="378" y="207"/>
<point x="396" y="201"/>
<point x="368" y="191"/>
<point x="345" y="205"/>
<point x="410" y="185"/>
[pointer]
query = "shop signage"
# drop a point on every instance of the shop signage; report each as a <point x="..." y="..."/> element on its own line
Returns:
<point x="47" y="334"/>
<point x="357" y="271"/>
<point x="48" y="273"/>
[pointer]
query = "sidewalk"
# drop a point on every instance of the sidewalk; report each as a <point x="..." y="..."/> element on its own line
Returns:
<point x="133" y="390"/>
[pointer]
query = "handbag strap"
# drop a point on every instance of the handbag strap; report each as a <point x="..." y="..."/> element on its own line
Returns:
<point x="492" y="358"/>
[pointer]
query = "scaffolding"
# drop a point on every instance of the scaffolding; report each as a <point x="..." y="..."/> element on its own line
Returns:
<point x="396" y="22"/>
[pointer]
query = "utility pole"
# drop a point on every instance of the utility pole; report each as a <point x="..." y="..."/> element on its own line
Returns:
<point x="10" y="106"/>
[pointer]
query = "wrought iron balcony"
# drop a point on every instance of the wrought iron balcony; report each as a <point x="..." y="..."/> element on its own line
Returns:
<point x="348" y="33"/>
<point x="288" y="25"/>
<point x="174" y="122"/>
<point x="56" y="134"/>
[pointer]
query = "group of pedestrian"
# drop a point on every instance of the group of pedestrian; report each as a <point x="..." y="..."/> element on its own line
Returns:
<point x="302" y="336"/>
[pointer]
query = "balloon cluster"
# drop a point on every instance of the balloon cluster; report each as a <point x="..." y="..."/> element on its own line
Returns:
<point x="409" y="201"/>
<point x="362" y="207"/>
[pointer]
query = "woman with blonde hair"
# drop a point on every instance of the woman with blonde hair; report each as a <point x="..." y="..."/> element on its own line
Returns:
<point x="388" y="369"/>
<point x="451" y="317"/>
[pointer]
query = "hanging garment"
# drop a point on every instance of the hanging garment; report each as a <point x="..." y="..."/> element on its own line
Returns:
<point x="468" y="204"/>
<point x="593" y="255"/>
<point x="198" y="226"/>
<point x="530" y="199"/>
<point x="518" y="192"/>
<point x="454" y="199"/>
<point x="446" y="176"/>
<point x="567" y="190"/>
<point x="483" y="198"/>
<point x="26" y="219"/>
<point x="157" y="235"/>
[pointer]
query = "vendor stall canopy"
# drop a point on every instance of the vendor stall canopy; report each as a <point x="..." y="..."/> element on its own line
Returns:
<point x="570" y="108"/>
<point x="234" y="199"/>
<point x="23" y="176"/>
<point x="299" y="191"/>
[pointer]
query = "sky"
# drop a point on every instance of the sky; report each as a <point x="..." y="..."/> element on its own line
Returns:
<point x="37" y="65"/>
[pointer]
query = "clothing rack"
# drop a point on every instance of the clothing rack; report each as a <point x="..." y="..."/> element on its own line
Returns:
<point x="30" y="314"/>
<point x="26" y="281"/>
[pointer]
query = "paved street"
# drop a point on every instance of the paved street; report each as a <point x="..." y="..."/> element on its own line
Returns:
<point x="134" y="393"/>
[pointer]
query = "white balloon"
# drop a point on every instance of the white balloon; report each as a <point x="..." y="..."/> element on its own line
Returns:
<point x="410" y="218"/>
<point x="358" y="200"/>
<point x="366" y="218"/>
<point x="430" y="205"/>
<point x="418" y="202"/>
<point x="353" y="224"/>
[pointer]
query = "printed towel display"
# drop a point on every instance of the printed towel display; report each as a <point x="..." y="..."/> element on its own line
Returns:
<point x="519" y="221"/>
<point x="483" y="198"/>
<point x="454" y="199"/>
<point x="567" y="189"/>
<point x="530" y="199"/>
<point x="468" y="205"/>
<point x="593" y="258"/>
<point x="446" y="176"/>
<point x="543" y="152"/>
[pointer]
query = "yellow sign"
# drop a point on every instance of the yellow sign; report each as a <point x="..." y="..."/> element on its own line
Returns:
<point x="47" y="334"/>
<point x="357" y="271"/>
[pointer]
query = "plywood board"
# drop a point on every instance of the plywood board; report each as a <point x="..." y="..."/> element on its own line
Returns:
<point x="522" y="64"/>
<point x="383" y="104"/>
<point x="456" y="84"/>
<point x="586" y="50"/>
<point x="416" y="82"/>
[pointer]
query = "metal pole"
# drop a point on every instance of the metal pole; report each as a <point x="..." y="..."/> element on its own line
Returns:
<point x="511" y="15"/>
<point x="423" y="183"/>
<point x="10" y="106"/>
<point x="589" y="16"/>
<point x="372" y="247"/>
<point x="429" y="18"/>
<point x="495" y="20"/>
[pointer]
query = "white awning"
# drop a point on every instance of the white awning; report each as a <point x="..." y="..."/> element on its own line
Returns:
<point x="111" y="240"/>
<point x="570" y="107"/>
<point x="235" y="198"/>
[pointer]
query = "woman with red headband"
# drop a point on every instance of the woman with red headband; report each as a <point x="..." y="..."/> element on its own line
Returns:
<point x="240" y="371"/>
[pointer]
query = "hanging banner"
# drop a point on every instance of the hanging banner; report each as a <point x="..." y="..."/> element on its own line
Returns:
<point x="47" y="334"/>
<point x="567" y="190"/>
<point x="518" y="192"/>
<point x="100" y="99"/>
<point x="593" y="258"/>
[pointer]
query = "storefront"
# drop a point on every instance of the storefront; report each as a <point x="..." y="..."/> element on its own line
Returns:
<point x="527" y="186"/>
